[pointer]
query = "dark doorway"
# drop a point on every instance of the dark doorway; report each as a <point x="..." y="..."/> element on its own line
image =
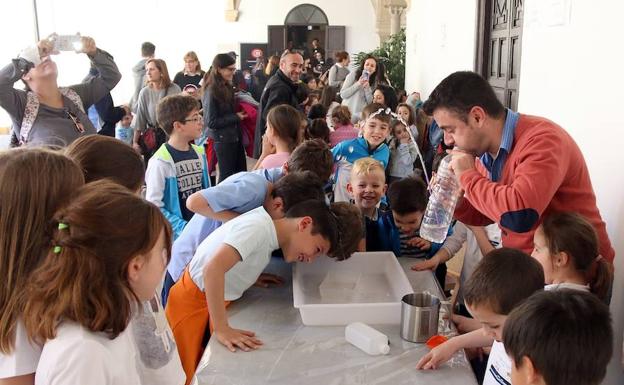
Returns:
<point x="499" y="38"/>
<point x="303" y="24"/>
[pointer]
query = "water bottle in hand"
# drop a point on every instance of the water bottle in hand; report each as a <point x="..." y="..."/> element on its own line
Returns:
<point x="442" y="202"/>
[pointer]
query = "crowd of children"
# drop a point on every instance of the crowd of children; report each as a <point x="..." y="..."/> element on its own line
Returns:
<point x="84" y="255"/>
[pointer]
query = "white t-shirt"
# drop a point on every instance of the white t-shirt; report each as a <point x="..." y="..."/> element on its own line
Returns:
<point x="157" y="356"/>
<point x="79" y="356"/>
<point x="253" y="236"/>
<point x="24" y="358"/>
<point x="473" y="254"/>
<point x="498" y="370"/>
<point x="567" y="285"/>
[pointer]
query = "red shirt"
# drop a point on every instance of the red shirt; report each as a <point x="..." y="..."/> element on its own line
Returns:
<point x="544" y="172"/>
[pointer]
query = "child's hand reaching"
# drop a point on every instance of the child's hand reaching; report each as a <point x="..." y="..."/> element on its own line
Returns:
<point x="236" y="338"/>
<point x="437" y="356"/>
<point x="427" y="264"/>
<point x="265" y="280"/>
<point x="422" y="244"/>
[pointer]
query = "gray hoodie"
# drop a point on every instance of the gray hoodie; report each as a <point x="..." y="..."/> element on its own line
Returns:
<point x="138" y="72"/>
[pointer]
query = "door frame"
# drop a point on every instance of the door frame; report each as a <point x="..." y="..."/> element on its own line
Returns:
<point x="482" y="35"/>
<point x="482" y="38"/>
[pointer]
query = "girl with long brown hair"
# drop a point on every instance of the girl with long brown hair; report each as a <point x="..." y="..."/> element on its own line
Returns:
<point x="283" y="134"/>
<point x="34" y="183"/>
<point x="107" y="254"/>
<point x="221" y="121"/>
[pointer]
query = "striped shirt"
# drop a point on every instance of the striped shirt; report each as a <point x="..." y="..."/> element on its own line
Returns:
<point x="411" y="251"/>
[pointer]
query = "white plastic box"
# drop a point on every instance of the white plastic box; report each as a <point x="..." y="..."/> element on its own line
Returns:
<point x="367" y="287"/>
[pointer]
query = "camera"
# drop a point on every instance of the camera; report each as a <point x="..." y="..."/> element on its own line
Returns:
<point x="67" y="42"/>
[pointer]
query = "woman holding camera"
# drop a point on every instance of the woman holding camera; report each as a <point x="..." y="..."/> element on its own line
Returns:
<point x="357" y="90"/>
<point x="45" y="114"/>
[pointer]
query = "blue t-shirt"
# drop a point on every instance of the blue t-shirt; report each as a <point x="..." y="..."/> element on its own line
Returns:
<point x="354" y="149"/>
<point x="188" y="168"/>
<point x="241" y="192"/>
<point x="381" y="232"/>
<point x="270" y="174"/>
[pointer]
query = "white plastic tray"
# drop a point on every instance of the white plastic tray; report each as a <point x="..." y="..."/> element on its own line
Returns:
<point x="375" y="298"/>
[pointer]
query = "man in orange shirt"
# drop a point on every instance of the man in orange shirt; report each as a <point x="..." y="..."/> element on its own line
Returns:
<point x="527" y="166"/>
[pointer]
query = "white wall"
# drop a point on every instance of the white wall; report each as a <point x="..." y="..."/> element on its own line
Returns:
<point x="12" y="43"/>
<point x="120" y="26"/>
<point x="571" y="73"/>
<point x="440" y="40"/>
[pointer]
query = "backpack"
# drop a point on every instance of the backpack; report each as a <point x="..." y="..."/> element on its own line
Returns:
<point x="32" y="109"/>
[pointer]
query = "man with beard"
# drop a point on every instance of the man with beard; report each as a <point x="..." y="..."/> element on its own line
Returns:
<point x="280" y="89"/>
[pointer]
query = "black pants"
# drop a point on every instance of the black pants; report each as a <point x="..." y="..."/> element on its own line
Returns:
<point x="231" y="159"/>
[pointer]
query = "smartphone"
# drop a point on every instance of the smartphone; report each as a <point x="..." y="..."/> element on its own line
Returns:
<point x="68" y="43"/>
<point x="365" y="75"/>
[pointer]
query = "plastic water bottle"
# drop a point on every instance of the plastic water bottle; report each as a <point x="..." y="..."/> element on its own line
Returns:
<point x="442" y="202"/>
<point x="367" y="339"/>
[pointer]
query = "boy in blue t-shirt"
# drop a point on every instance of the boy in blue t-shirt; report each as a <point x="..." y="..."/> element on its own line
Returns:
<point x="375" y="131"/>
<point x="178" y="168"/>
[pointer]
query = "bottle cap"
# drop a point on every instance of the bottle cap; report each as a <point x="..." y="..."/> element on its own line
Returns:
<point x="435" y="341"/>
<point x="385" y="349"/>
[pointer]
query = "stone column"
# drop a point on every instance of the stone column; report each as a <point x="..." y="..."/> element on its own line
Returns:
<point x="396" y="8"/>
<point x="231" y="10"/>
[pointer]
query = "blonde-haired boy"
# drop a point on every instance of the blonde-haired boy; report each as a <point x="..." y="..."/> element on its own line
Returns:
<point x="366" y="186"/>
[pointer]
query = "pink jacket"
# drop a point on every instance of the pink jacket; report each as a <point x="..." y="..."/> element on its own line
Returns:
<point x="341" y="133"/>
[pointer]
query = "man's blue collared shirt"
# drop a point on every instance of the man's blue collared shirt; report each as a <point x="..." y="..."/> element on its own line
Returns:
<point x="495" y="165"/>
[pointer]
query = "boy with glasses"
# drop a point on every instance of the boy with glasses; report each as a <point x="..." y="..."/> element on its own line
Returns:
<point x="178" y="168"/>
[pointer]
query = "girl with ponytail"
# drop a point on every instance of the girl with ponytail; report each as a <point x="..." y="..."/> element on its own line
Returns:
<point x="566" y="245"/>
<point x="107" y="254"/>
<point x="34" y="183"/>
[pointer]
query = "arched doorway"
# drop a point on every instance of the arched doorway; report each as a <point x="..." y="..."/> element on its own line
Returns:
<point x="305" y="23"/>
<point x="302" y="24"/>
